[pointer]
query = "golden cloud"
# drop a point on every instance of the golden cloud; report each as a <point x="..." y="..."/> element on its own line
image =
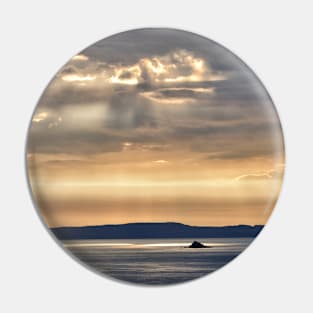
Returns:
<point x="80" y="57"/>
<point x="77" y="78"/>
<point x="40" y="117"/>
<point x="179" y="66"/>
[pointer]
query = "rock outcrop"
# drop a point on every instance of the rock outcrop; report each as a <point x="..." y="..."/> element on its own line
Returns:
<point x="197" y="244"/>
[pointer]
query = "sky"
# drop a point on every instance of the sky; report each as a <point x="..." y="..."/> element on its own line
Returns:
<point x="155" y="125"/>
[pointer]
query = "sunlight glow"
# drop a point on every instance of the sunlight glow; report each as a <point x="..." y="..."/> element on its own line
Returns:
<point x="78" y="78"/>
<point x="126" y="75"/>
<point x="40" y="117"/>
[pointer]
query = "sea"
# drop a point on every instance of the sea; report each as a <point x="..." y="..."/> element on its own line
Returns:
<point x="156" y="261"/>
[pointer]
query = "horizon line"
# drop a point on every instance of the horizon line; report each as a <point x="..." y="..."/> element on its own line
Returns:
<point x="131" y="223"/>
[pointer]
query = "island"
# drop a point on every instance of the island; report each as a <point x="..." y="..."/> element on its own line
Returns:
<point x="197" y="244"/>
<point x="154" y="231"/>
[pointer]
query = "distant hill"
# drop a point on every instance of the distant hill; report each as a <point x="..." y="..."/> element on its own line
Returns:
<point x="153" y="230"/>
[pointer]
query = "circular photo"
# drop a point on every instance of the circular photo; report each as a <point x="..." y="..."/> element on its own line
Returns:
<point x="155" y="156"/>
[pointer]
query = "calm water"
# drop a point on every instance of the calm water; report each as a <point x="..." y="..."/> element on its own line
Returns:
<point x="156" y="261"/>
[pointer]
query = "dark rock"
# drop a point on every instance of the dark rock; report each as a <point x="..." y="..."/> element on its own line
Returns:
<point x="197" y="244"/>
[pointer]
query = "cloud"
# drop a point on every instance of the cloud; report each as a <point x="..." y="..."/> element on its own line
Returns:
<point x="126" y="75"/>
<point x="157" y="90"/>
<point x="161" y="162"/>
<point x="73" y="117"/>
<point x="55" y="123"/>
<point x="253" y="176"/>
<point x="140" y="146"/>
<point x="80" y="57"/>
<point x="73" y="142"/>
<point x="77" y="78"/>
<point x="129" y="47"/>
<point x="273" y="173"/>
<point x="178" y="66"/>
<point x="39" y="117"/>
<point x="44" y="120"/>
<point x="159" y="98"/>
<point x="176" y="95"/>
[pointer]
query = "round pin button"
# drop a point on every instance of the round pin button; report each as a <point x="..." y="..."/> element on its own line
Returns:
<point x="155" y="156"/>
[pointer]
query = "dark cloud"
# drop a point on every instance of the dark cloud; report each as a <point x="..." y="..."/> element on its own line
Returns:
<point x="73" y="94"/>
<point x="129" y="47"/>
<point x="182" y="93"/>
<point x="126" y="75"/>
<point x="68" y="70"/>
<point x="73" y="142"/>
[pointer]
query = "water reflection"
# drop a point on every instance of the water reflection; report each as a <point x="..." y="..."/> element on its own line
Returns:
<point x="157" y="261"/>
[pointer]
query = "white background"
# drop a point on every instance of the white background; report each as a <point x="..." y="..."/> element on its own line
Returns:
<point x="274" y="38"/>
